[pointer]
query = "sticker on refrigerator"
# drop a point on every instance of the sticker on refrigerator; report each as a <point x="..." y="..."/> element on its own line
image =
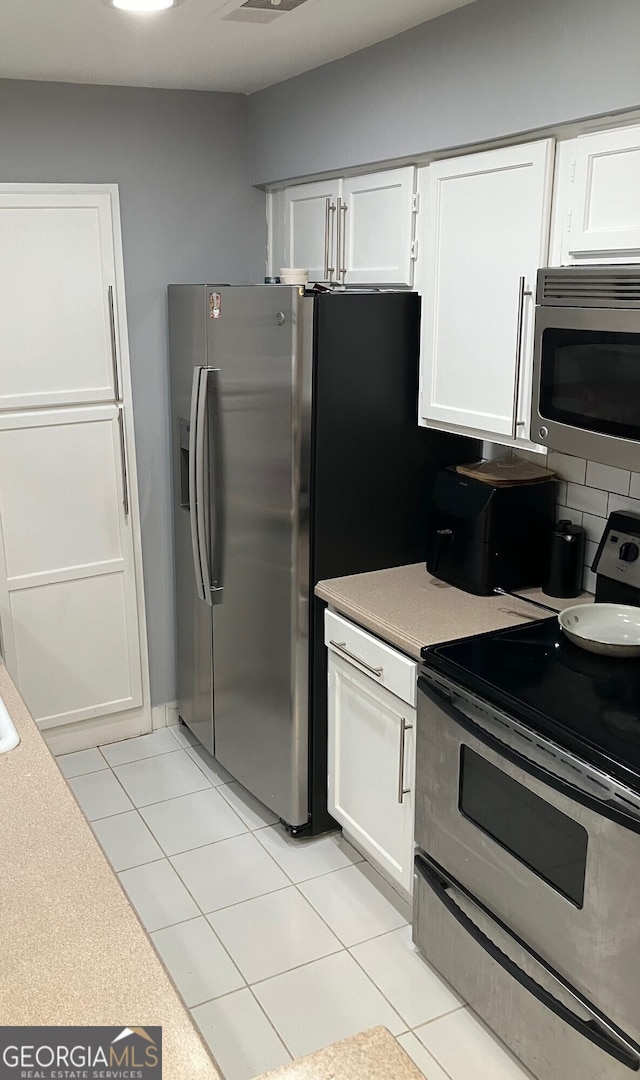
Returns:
<point x="215" y="305"/>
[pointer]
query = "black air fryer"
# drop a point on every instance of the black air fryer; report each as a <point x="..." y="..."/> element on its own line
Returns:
<point x="486" y="535"/>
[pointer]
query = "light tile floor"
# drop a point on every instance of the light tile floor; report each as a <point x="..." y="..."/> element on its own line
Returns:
<point x="278" y="946"/>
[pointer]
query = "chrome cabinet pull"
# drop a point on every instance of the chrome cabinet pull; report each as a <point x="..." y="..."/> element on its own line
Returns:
<point x="193" y="498"/>
<point x="114" y="348"/>
<point x="341" y="645"/>
<point x="330" y="210"/>
<point x="522" y="292"/>
<point x="123" y="461"/>
<point x="341" y="243"/>
<point x="402" y="790"/>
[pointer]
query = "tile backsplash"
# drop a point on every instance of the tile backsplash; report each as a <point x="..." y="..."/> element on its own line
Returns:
<point x="587" y="493"/>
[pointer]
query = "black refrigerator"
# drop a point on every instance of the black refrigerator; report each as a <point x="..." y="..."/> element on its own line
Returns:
<point x="296" y="457"/>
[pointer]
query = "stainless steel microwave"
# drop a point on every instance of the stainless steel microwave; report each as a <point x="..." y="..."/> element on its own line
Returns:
<point x="586" y="363"/>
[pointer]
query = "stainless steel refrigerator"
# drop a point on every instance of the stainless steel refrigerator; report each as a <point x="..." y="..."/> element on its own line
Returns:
<point x="296" y="457"/>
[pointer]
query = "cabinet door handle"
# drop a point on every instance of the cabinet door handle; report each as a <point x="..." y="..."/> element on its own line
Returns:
<point x="328" y="238"/>
<point x="342" y="238"/>
<point x="123" y="461"/>
<point x="377" y="671"/>
<point x="402" y="790"/>
<point x="522" y="292"/>
<point x="114" y="350"/>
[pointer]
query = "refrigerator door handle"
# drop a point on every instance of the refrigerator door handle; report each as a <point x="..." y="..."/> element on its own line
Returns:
<point x="193" y="481"/>
<point x="215" y="573"/>
<point x="201" y="485"/>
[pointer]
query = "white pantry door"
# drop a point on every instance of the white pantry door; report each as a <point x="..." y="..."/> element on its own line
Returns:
<point x="58" y="302"/>
<point x="68" y="598"/>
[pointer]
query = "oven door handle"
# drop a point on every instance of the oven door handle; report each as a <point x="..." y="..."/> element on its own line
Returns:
<point x="598" y="1030"/>
<point x="599" y="806"/>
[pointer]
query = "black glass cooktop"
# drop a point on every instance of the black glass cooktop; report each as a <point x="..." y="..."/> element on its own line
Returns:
<point x="587" y="703"/>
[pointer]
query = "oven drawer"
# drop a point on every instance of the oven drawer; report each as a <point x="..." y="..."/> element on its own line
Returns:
<point x="554" y="1032"/>
<point x="386" y="666"/>
<point x="560" y="868"/>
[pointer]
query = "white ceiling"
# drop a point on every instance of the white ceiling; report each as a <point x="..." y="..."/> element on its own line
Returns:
<point x="194" y="46"/>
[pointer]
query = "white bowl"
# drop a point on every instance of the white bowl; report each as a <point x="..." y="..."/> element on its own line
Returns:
<point x="608" y="629"/>
<point x="293" y="275"/>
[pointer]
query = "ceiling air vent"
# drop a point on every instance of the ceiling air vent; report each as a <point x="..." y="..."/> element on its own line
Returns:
<point x="263" y="10"/>
<point x="590" y="286"/>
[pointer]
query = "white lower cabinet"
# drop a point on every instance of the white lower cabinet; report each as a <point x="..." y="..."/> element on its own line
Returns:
<point x="372" y="746"/>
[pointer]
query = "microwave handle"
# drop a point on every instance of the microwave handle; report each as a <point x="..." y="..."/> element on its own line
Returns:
<point x="601" y="806"/>
<point x="522" y="292"/>
<point x="599" y="1030"/>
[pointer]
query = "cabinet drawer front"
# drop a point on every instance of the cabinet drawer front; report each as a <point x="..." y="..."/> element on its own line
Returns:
<point x="384" y="665"/>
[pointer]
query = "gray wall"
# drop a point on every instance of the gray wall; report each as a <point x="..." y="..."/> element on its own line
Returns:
<point x="494" y="68"/>
<point x="181" y="161"/>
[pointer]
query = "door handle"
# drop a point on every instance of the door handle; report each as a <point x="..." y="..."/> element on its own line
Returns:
<point x="341" y="243"/>
<point x="328" y="238"/>
<point x="123" y="460"/>
<point x="217" y="498"/>
<point x="522" y="292"/>
<point x="114" y="348"/>
<point x="402" y="790"/>
<point x="193" y="486"/>
<point x="201" y="487"/>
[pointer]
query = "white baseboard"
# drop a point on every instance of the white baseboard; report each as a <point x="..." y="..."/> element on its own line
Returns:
<point x="85" y="734"/>
<point x="165" y="715"/>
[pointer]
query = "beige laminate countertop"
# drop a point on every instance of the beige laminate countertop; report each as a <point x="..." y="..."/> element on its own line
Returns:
<point x="371" y="1055"/>
<point x="73" y="951"/>
<point x="410" y="608"/>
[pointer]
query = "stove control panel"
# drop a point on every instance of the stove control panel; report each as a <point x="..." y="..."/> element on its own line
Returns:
<point x="618" y="554"/>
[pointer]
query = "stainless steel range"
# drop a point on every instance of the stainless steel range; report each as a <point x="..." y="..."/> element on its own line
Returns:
<point x="527" y="894"/>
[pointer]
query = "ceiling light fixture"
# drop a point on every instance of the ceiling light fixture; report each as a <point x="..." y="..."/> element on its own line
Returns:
<point x="143" y="6"/>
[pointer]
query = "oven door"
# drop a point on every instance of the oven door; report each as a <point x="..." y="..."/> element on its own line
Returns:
<point x="586" y="383"/>
<point x="557" y="866"/>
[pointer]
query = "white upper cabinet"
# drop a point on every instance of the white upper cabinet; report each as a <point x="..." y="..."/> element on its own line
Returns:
<point x="309" y="228"/>
<point x="57" y="299"/>
<point x="377" y="230"/>
<point x="599" y="194"/>
<point x="485" y="234"/>
<point x="356" y="231"/>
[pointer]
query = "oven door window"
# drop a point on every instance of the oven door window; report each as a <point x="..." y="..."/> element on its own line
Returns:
<point x="535" y="832"/>
<point x="591" y="380"/>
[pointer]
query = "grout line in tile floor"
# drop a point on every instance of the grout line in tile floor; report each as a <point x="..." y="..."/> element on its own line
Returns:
<point x="245" y="984"/>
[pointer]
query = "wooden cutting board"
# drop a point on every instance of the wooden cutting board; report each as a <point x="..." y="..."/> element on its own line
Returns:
<point x="506" y="472"/>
